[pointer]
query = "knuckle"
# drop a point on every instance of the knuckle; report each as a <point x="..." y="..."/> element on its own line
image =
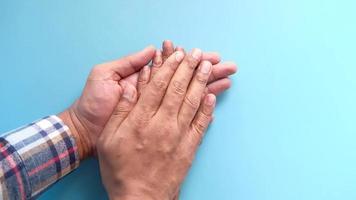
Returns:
<point x="199" y="128"/>
<point x="178" y="87"/>
<point x="142" y="79"/>
<point x="201" y="78"/>
<point x="200" y="125"/>
<point x="156" y="64"/>
<point x="121" y="110"/>
<point x="139" y="120"/>
<point x="166" y="148"/>
<point x="159" y="84"/>
<point x="192" y="101"/>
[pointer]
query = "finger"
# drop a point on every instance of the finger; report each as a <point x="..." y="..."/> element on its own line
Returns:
<point x="219" y="86"/>
<point x="157" y="62"/>
<point x="222" y="70"/>
<point x="178" y="85"/>
<point x="122" y="109"/>
<point x="151" y="97"/>
<point x="212" y="57"/>
<point x="132" y="79"/>
<point x="194" y="94"/>
<point x="201" y="121"/>
<point x="167" y="49"/>
<point x="178" y="48"/>
<point x="132" y="63"/>
<point x="143" y="79"/>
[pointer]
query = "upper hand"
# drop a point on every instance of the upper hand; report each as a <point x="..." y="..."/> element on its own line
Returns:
<point x="87" y="117"/>
<point x="147" y="147"/>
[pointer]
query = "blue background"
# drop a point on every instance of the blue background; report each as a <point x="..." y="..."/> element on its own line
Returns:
<point x="285" y="130"/>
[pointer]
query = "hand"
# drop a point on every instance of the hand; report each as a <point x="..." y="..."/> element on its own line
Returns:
<point x="89" y="114"/>
<point x="147" y="147"/>
<point x="87" y="117"/>
<point x="218" y="80"/>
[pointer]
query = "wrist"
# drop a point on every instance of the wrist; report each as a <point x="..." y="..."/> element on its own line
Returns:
<point x="130" y="197"/>
<point x="136" y="191"/>
<point x="79" y="133"/>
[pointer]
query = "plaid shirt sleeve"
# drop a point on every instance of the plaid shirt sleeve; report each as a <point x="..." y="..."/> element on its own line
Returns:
<point x="34" y="157"/>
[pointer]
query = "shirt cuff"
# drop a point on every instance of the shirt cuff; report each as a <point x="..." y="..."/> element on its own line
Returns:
<point x="35" y="156"/>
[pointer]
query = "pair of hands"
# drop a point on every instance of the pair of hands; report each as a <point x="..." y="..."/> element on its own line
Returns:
<point x="150" y="123"/>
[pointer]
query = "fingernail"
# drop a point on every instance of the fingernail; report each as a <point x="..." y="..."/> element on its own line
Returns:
<point x="129" y="93"/>
<point x="205" y="68"/>
<point x="146" y="68"/>
<point x="167" y="44"/>
<point x="166" y="41"/>
<point x="210" y="99"/>
<point x="196" y="53"/>
<point x="150" y="47"/>
<point x="144" y="73"/>
<point x="157" y="60"/>
<point x="178" y="48"/>
<point x="179" y="56"/>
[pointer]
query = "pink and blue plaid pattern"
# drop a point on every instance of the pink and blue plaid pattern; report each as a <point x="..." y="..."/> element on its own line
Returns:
<point x="34" y="157"/>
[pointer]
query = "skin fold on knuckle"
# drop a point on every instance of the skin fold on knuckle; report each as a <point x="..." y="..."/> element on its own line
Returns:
<point x="192" y="101"/>
<point x="159" y="84"/>
<point x="142" y="80"/>
<point x="201" y="124"/>
<point x="201" y="78"/>
<point x="121" y="110"/>
<point x="178" y="88"/>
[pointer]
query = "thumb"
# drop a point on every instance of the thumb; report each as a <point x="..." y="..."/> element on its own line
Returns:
<point x="122" y="109"/>
<point x="132" y="63"/>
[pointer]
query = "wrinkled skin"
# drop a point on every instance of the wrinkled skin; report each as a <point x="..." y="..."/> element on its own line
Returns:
<point x="87" y="117"/>
<point x="149" y="142"/>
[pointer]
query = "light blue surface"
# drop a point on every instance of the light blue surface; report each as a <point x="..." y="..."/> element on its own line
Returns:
<point x="285" y="131"/>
